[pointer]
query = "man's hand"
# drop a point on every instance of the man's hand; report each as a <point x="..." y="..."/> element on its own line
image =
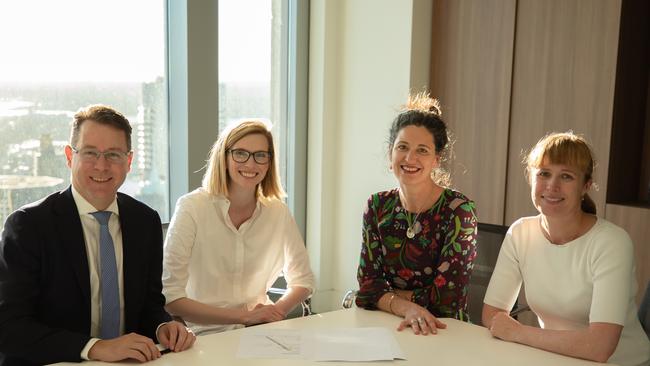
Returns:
<point x="129" y="346"/>
<point x="175" y="336"/>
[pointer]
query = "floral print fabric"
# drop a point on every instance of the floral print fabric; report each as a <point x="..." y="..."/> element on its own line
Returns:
<point x="435" y="264"/>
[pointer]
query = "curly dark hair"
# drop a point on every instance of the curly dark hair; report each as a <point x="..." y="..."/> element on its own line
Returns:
<point x="424" y="111"/>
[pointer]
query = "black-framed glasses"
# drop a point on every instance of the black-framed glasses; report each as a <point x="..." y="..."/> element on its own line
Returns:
<point x="242" y="156"/>
<point x="89" y="154"/>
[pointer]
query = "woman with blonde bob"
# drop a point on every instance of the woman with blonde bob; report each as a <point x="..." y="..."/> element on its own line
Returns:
<point x="577" y="268"/>
<point x="229" y="240"/>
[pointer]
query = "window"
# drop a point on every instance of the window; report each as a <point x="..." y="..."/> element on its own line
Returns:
<point x="58" y="56"/>
<point x="131" y="56"/>
<point x="245" y="61"/>
<point x="262" y="74"/>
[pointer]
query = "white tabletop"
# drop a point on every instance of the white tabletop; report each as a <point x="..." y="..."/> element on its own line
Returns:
<point x="460" y="344"/>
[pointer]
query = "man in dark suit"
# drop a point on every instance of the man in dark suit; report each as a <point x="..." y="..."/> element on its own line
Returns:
<point x="80" y="270"/>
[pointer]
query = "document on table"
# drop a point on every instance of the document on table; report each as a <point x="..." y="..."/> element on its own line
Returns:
<point x="355" y="344"/>
<point x="337" y="344"/>
<point x="271" y="343"/>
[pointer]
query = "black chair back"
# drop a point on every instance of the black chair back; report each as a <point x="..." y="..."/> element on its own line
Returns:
<point x="644" y="311"/>
<point x="489" y="241"/>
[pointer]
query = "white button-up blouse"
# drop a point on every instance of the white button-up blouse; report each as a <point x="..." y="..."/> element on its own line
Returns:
<point x="208" y="260"/>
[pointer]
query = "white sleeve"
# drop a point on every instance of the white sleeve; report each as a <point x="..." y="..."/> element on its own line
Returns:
<point x="178" y="250"/>
<point x="297" y="271"/>
<point x="612" y="265"/>
<point x="506" y="279"/>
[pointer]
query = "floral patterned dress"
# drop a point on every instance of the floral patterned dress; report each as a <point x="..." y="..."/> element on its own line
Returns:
<point x="435" y="264"/>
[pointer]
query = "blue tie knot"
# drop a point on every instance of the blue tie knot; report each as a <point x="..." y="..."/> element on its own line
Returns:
<point x="102" y="216"/>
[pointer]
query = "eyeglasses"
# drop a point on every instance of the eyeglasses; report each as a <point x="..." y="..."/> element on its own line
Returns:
<point x="242" y="156"/>
<point x="88" y="154"/>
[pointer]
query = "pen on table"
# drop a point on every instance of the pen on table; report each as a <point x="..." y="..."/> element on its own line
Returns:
<point x="278" y="343"/>
<point x="164" y="351"/>
<point x="520" y="310"/>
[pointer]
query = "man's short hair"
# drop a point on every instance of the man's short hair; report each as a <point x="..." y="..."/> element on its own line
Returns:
<point x="101" y="114"/>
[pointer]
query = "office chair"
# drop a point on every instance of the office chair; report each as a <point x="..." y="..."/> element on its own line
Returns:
<point x="305" y="305"/>
<point x="644" y="311"/>
<point x="348" y="299"/>
<point x="488" y="245"/>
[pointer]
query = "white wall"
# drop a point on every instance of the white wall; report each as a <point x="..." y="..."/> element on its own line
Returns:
<point x="365" y="56"/>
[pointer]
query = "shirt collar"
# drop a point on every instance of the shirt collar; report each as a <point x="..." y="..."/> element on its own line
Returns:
<point x="84" y="207"/>
<point x="224" y="202"/>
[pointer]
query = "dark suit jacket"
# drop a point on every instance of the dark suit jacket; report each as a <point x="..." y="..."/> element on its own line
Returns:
<point x="45" y="282"/>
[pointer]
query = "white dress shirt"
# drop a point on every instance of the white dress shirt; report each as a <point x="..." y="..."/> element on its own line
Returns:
<point x="91" y="236"/>
<point x="208" y="260"/>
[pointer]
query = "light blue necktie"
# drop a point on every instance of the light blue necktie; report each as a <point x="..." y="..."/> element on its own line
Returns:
<point x="110" y="320"/>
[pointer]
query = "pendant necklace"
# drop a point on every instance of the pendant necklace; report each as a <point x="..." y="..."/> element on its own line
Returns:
<point x="413" y="226"/>
<point x="410" y="231"/>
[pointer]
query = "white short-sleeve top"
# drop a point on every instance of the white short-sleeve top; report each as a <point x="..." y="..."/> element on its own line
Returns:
<point x="590" y="279"/>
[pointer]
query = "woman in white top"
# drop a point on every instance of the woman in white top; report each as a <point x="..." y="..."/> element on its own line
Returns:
<point x="578" y="269"/>
<point x="229" y="240"/>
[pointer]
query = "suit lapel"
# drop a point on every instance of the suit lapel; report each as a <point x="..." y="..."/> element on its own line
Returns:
<point x="71" y="237"/>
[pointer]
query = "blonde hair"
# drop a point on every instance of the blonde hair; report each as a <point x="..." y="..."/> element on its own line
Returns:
<point x="215" y="179"/>
<point x="564" y="148"/>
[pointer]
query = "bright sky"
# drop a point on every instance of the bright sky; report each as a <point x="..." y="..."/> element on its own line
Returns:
<point x="120" y="40"/>
<point x="245" y="40"/>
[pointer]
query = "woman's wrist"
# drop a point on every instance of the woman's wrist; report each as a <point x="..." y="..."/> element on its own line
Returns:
<point x="390" y="302"/>
<point x="244" y="316"/>
<point x="405" y="294"/>
<point x="284" y="307"/>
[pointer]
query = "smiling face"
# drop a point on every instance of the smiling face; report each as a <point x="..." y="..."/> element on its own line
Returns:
<point x="557" y="189"/>
<point x="249" y="174"/>
<point x="413" y="156"/>
<point x="98" y="180"/>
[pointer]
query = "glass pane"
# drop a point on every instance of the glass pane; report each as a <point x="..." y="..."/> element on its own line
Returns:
<point x="251" y="77"/>
<point x="245" y="29"/>
<point x="68" y="54"/>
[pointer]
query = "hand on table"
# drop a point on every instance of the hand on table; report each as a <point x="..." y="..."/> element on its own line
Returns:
<point x="421" y="321"/>
<point x="175" y="336"/>
<point x="264" y="314"/>
<point x="129" y="346"/>
<point x="504" y="326"/>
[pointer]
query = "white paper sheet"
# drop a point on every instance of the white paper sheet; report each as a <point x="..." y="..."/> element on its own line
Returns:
<point x="271" y="343"/>
<point x="338" y="344"/>
<point x="355" y="344"/>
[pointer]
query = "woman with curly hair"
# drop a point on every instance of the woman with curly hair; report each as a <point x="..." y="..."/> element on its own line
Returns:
<point x="419" y="240"/>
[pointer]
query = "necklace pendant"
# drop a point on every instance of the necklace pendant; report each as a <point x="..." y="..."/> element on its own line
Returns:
<point x="410" y="233"/>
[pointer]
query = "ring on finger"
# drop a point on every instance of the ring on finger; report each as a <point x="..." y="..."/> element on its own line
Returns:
<point x="413" y="321"/>
<point x="420" y="320"/>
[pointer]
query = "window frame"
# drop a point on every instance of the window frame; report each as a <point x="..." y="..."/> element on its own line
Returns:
<point x="193" y="87"/>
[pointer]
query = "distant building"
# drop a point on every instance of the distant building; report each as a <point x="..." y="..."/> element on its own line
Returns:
<point x="150" y="143"/>
<point x="47" y="163"/>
